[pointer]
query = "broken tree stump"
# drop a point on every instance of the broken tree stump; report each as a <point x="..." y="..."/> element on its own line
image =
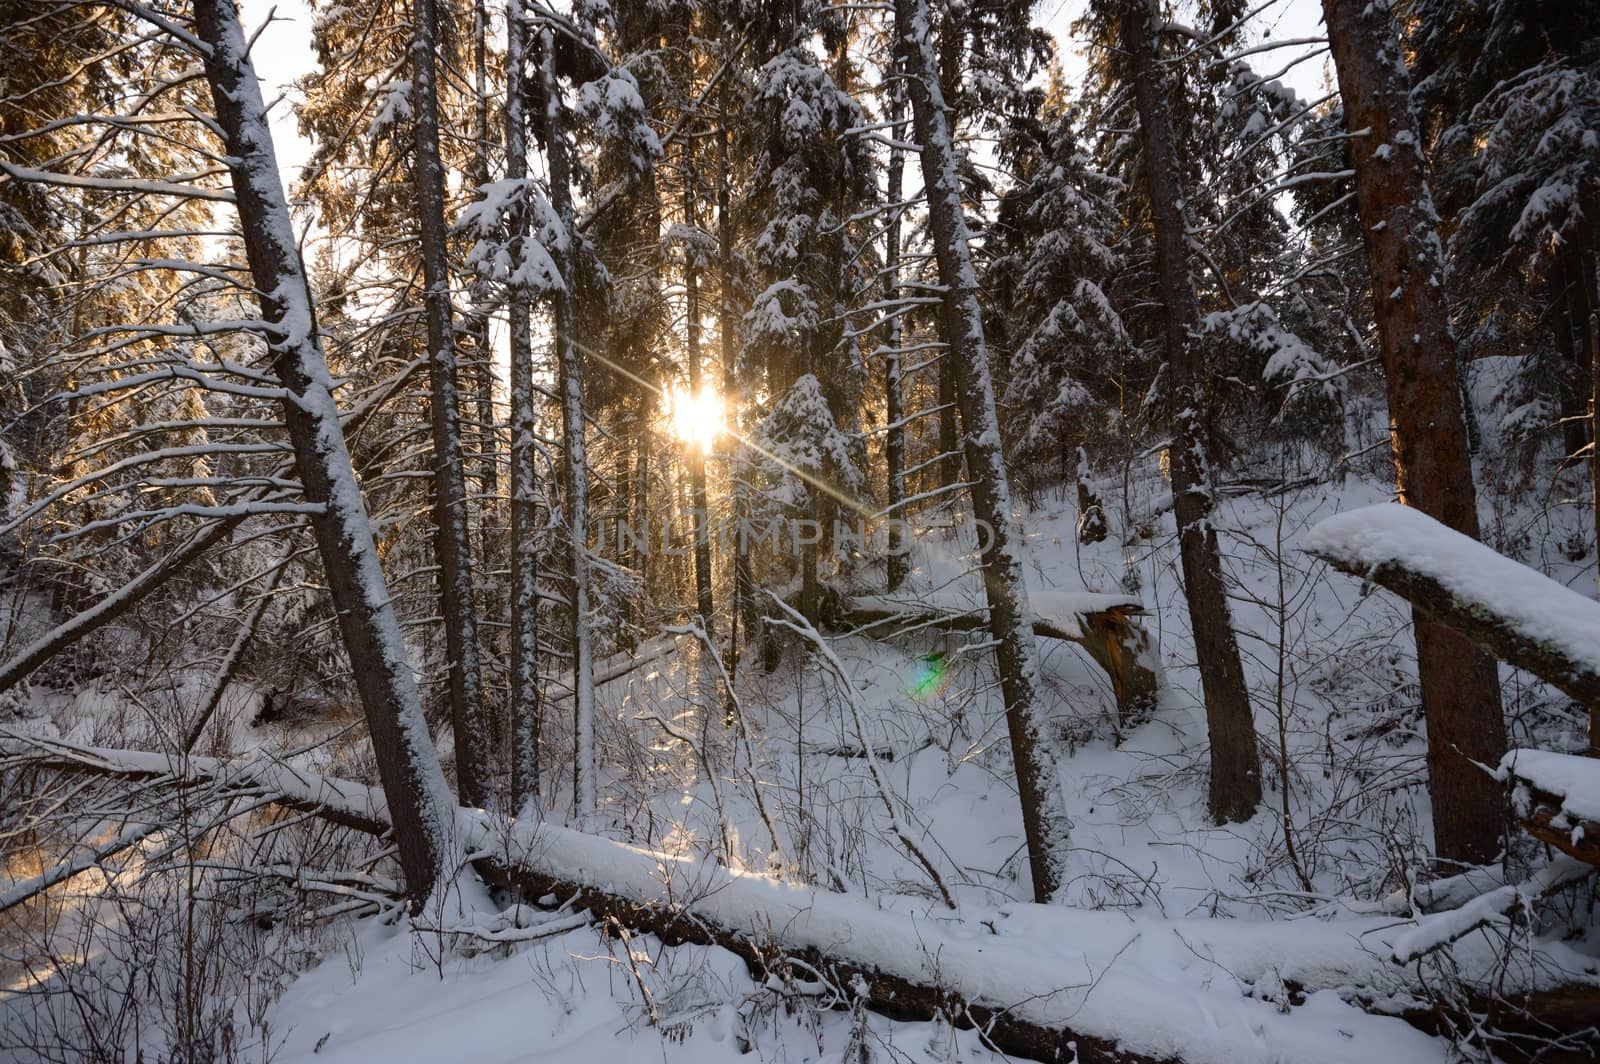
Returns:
<point x="1106" y="626"/>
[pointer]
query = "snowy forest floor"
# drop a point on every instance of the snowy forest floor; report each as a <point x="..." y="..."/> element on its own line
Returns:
<point x="1267" y="940"/>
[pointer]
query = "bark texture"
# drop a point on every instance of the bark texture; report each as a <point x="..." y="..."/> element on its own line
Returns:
<point x="452" y="544"/>
<point x="524" y="560"/>
<point x="1433" y="468"/>
<point x="704" y="605"/>
<point x="894" y="446"/>
<point x="418" y="799"/>
<point x="1235" y="760"/>
<point x="1033" y="753"/>
<point x="575" y="467"/>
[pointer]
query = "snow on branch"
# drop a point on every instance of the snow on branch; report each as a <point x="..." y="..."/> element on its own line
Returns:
<point x="1518" y="613"/>
<point x="985" y="970"/>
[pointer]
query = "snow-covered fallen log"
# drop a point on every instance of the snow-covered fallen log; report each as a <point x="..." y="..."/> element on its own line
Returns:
<point x="351" y="805"/>
<point x="1041" y="982"/>
<point x="1520" y="614"/>
<point x="1107" y="626"/>
<point x="1557" y="797"/>
<point x="116" y="604"/>
<point x="1497" y="907"/>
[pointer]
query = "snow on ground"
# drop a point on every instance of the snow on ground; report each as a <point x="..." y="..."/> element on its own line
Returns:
<point x="1152" y="873"/>
<point x="1180" y="934"/>
<point x="577" y="998"/>
<point x="573" y="1000"/>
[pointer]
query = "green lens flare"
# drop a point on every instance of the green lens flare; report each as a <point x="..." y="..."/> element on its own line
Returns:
<point x="928" y="676"/>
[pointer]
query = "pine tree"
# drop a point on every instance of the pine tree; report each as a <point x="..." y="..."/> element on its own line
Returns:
<point x="1433" y="471"/>
<point x="1054" y="254"/>
<point x="419" y="802"/>
<point x="1235" y="790"/>
<point x="1034" y="757"/>
<point x="453" y="546"/>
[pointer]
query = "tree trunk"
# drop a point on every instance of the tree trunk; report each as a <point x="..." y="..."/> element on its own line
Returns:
<point x="452" y="544"/>
<point x="743" y="615"/>
<point x="1572" y="377"/>
<point x="524" y="561"/>
<point x="1033" y="751"/>
<point x="575" y="468"/>
<point x="1590" y="284"/>
<point x="1235" y="762"/>
<point x="950" y="42"/>
<point x="420" y="806"/>
<point x="894" y="447"/>
<point x="697" y="458"/>
<point x="1433" y="469"/>
<point x="477" y="323"/>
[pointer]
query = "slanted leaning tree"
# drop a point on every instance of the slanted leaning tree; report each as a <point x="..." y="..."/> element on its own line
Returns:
<point x="419" y="801"/>
<point x="1033" y="749"/>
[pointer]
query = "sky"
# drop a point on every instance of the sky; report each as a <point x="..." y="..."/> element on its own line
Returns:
<point x="283" y="53"/>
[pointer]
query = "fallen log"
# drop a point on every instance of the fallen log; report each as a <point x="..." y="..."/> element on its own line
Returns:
<point x="116" y="604"/>
<point x="680" y="901"/>
<point x="89" y="857"/>
<point x="1518" y="613"/>
<point x="1498" y="906"/>
<point x="1107" y="626"/>
<point x="1557" y="799"/>
<point x="1028" y="1002"/>
<point x="337" y="801"/>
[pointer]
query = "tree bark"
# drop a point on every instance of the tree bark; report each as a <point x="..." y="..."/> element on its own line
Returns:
<point x="950" y="47"/>
<point x="575" y="468"/>
<point x="420" y="806"/>
<point x="1433" y="468"/>
<point x="704" y="605"/>
<point x="1590" y="282"/>
<point x="894" y="446"/>
<point x="526" y="712"/>
<point x="477" y="323"/>
<point x="1235" y="790"/>
<point x="742" y="618"/>
<point x="452" y="543"/>
<point x="1033" y="750"/>
<point x="1573" y="374"/>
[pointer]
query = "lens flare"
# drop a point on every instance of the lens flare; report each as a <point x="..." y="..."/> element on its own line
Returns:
<point x="928" y="677"/>
<point x="696" y="419"/>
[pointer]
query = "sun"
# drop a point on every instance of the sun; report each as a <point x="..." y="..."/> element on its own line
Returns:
<point x="696" y="418"/>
